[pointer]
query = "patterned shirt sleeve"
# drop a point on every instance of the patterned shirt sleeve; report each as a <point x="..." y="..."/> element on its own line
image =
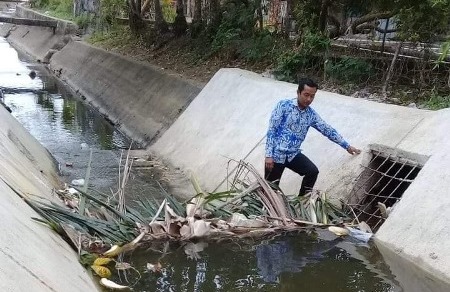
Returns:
<point x="328" y="131"/>
<point x="274" y="128"/>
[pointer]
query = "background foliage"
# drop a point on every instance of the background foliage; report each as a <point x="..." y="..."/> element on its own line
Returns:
<point x="339" y="42"/>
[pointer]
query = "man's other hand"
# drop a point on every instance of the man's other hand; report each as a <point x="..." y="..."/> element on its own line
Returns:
<point x="352" y="150"/>
<point x="269" y="163"/>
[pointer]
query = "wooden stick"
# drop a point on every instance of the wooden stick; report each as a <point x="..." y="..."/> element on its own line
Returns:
<point x="300" y="221"/>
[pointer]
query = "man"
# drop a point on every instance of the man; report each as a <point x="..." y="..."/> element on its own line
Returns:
<point x="288" y="127"/>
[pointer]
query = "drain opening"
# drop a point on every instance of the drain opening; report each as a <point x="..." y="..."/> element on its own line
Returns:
<point x="380" y="186"/>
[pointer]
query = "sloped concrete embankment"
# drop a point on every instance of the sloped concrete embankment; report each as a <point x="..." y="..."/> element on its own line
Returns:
<point x="32" y="257"/>
<point x="229" y="119"/>
<point x="142" y="100"/>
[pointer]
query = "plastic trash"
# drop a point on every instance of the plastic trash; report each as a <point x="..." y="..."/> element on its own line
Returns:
<point x="78" y="182"/>
<point x="360" y="235"/>
<point x="73" y="191"/>
<point x="84" y="146"/>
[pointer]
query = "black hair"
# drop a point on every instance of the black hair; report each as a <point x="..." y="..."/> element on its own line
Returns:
<point x="306" y="81"/>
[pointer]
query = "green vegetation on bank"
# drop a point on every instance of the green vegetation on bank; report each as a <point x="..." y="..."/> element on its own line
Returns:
<point x="62" y="9"/>
<point x="348" y="45"/>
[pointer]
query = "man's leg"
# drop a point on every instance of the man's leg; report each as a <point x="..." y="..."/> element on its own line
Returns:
<point x="303" y="166"/>
<point x="274" y="175"/>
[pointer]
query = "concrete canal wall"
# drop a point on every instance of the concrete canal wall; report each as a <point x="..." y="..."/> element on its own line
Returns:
<point x="32" y="257"/>
<point x="141" y="99"/>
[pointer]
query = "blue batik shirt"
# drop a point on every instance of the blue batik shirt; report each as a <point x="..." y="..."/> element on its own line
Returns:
<point x="288" y="127"/>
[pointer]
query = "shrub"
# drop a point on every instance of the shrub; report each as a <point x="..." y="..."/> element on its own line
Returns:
<point x="310" y="54"/>
<point x="83" y="20"/>
<point x="437" y="101"/>
<point x="169" y="12"/>
<point x="261" y="47"/>
<point x="349" y="69"/>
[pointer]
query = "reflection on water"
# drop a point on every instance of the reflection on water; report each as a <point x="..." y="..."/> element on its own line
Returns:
<point x="67" y="127"/>
<point x="292" y="262"/>
<point x="41" y="108"/>
<point x="277" y="257"/>
<point x="46" y="114"/>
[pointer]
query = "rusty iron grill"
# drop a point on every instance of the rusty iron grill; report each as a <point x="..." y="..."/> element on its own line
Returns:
<point x="383" y="180"/>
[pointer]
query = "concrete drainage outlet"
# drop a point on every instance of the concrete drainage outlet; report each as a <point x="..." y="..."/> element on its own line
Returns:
<point x="380" y="186"/>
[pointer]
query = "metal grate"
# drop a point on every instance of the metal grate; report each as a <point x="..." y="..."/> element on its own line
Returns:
<point x="384" y="180"/>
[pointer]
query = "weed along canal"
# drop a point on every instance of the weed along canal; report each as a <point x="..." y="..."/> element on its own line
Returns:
<point x="300" y="259"/>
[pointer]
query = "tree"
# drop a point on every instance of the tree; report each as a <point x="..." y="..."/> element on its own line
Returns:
<point x="180" y="24"/>
<point x="161" y="25"/>
<point x="214" y="14"/>
<point x="197" y="23"/>
<point x="136" y="23"/>
<point x="423" y="21"/>
<point x="416" y="20"/>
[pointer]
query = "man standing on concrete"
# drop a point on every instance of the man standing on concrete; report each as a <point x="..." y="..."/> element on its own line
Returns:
<point x="288" y="127"/>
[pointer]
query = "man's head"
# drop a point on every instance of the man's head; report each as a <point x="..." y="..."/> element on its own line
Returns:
<point x="306" y="91"/>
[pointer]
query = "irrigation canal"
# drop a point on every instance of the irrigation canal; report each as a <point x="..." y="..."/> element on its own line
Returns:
<point x="69" y="128"/>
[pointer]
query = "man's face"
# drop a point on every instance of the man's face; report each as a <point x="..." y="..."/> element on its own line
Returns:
<point x="306" y="96"/>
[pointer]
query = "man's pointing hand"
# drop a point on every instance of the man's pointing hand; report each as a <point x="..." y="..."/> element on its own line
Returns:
<point x="352" y="150"/>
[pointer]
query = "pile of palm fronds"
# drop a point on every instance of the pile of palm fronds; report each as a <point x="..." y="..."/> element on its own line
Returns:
<point x="250" y="207"/>
<point x="251" y="195"/>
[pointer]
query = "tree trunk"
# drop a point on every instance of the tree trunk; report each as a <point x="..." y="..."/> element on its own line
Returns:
<point x="160" y="24"/>
<point x="137" y="24"/>
<point x="145" y="7"/>
<point x="180" y="24"/>
<point x="76" y="8"/>
<point x="287" y="19"/>
<point x="391" y="69"/>
<point x="336" y="29"/>
<point x="259" y="14"/>
<point x="135" y="21"/>
<point x="215" y="14"/>
<point x="323" y="16"/>
<point x="197" y="23"/>
<point x="370" y="17"/>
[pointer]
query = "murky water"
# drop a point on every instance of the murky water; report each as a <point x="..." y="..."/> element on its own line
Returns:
<point x="301" y="261"/>
<point x="67" y="127"/>
<point x="298" y="261"/>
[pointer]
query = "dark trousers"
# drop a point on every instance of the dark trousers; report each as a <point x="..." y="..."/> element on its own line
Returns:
<point x="301" y="165"/>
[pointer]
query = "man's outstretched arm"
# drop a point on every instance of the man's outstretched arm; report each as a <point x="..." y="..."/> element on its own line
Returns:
<point x="329" y="132"/>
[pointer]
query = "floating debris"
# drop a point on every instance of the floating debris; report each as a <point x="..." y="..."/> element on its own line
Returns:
<point x="112" y="285"/>
<point x="102" y="271"/>
<point x="251" y="207"/>
<point x="339" y="231"/>
<point x="78" y="182"/>
<point x="360" y="235"/>
<point x="123" y="266"/>
<point x="156" y="268"/>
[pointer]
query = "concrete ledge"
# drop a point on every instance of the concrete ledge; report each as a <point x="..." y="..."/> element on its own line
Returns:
<point x="141" y="100"/>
